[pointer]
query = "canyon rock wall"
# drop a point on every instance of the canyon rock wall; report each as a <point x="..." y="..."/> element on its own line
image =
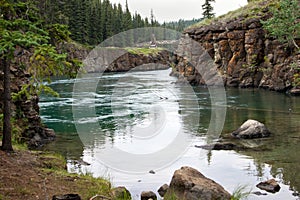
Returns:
<point x="242" y="53"/>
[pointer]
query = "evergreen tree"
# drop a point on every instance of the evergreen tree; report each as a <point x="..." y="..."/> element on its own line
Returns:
<point x="93" y="21"/>
<point x="127" y="18"/>
<point x="93" y="24"/>
<point x="127" y="23"/>
<point x="208" y="9"/>
<point x="119" y="20"/>
<point x="21" y="28"/>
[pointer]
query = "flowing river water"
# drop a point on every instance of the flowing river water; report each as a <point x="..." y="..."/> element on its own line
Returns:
<point x="133" y="104"/>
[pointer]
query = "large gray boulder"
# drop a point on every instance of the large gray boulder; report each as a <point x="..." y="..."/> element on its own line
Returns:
<point x="251" y="129"/>
<point x="189" y="184"/>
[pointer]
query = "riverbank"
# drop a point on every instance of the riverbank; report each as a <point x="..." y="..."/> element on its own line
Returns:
<point x="35" y="175"/>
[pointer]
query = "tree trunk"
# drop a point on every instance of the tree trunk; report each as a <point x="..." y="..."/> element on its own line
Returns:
<point x="6" y="140"/>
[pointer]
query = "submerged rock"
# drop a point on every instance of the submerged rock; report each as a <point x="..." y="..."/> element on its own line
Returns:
<point x="251" y="129"/>
<point x="188" y="183"/>
<point x="269" y="186"/>
<point x="66" y="197"/>
<point x="147" y="195"/>
<point x="219" y="146"/>
<point x="258" y="193"/>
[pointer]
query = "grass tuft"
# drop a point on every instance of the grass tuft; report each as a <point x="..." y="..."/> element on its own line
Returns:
<point x="144" y="51"/>
<point x="241" y="192"/>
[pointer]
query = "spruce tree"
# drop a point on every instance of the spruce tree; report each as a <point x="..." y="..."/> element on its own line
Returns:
<point x="208" y="9"/>
<point x="21" y="28"/>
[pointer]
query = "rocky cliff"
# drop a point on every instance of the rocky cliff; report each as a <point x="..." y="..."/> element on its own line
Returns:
<point x="27" y="125"/>
<point x="123" y="60"/>
<point x="241" y="50"/>
<point x="26" y="122"/>
<point x="129" y="61"/>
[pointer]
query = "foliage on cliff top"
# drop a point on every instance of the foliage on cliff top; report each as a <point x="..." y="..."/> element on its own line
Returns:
<point x="284" y="25"/>
<point x="253" y="9"/>
<point x="144" y="51"/>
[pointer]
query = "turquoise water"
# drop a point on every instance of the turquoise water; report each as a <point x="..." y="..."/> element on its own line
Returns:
<point x="158" y="123"/>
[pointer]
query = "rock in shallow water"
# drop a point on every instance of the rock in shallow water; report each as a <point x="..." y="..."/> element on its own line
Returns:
<point x="251" y="129"/>
<point x="188" y="183"/>
<point x="147" y="195"/>
<point x="269" y="186"/>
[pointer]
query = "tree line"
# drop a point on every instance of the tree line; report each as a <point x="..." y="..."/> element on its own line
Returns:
<point x="93" y="21"/>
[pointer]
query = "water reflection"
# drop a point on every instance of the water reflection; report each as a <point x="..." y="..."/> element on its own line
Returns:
<point x="120" y="117"/>
<point x="281" y="114"/>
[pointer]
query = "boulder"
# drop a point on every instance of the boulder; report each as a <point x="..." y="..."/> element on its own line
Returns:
<point x="147" y="195"/>
<point x="163" y="190"/>
<point x="251" y="129"/>
<point x="188" y="183"/>
<point x="269" y="186"/>
<point x="121" y="193"/>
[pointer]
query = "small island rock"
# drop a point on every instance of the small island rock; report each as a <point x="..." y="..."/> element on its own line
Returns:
<point x="251" y="129"/>
<point x="269" y="186"/>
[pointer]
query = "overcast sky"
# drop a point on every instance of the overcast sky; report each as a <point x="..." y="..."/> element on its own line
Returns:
<point x="173" y="10"/>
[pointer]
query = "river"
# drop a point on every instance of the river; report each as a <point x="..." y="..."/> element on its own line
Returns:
<point x="135" y="122"/>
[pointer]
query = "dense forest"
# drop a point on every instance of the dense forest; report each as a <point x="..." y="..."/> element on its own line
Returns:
<point x="31" y="33"/>
<point x="93" y="21"/>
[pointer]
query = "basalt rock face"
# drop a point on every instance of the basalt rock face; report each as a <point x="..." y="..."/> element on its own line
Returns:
<point x="25" y="112"/>
<point x="120" y="60"/>
<point x="242" y="53"/>
<point x="141" y="62"/>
